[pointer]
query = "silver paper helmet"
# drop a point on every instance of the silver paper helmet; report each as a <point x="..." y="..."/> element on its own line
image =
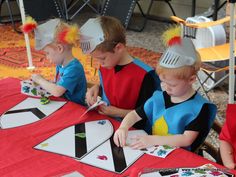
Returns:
<point x="44" y="33"/>
<point x="179" y="55"/>
<point x="91" y="35"/>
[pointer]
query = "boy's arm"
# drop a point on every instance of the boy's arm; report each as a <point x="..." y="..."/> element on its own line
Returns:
<point x="180" y="140"/>
<point x="226" y="149"/>
<point x="52" y="88"/>
<point x="120" y="135"/>
<point x="119" y="112"/>
<point x="227" y="154"/>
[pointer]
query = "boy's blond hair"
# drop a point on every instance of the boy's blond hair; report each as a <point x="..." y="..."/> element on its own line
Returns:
<point x="184" y="72"/>
<point x="114" y="33"/>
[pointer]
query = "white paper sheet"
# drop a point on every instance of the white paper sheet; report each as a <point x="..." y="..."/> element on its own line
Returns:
<point x="22" y="116"/>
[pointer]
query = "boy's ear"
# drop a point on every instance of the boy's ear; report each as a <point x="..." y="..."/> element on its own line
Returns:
<point x="192" y="79"/>
<point x="60" y="48"/>
<point x="119" y="47"/>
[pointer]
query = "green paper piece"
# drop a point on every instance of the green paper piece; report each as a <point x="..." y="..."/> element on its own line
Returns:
<point x="44" y="145"/>
<point x="200" y="171"/>
<point x="44" y="100"/>
<point x="167" y="147"/>
<point x="34" y="91"/>
<point x="80" y="135"/>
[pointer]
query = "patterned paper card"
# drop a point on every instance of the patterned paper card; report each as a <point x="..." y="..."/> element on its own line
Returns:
<point x="159" y="151"/>
<point x="28" y="87"/>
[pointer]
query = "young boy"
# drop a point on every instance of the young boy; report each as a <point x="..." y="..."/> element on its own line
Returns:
<point x="228" y="138"/>
<point x="178" y="116"/>
<point x="125" y="82"/>
<point x="56" y="39"/>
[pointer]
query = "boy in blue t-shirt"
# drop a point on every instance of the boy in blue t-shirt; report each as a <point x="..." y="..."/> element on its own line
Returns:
<point x="178" y="116"/>
<point x="56" y="39"/>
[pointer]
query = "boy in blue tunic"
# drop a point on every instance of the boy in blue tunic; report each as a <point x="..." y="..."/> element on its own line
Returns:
<point x="178" y="116"/>
<point x="56" y="39"/>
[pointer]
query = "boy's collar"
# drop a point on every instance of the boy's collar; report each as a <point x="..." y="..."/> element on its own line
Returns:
<point x="186" y="97"/>
<point x="67" y="63"/>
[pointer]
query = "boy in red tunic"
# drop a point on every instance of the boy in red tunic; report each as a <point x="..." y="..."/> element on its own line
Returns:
<point x="125" y="82"/>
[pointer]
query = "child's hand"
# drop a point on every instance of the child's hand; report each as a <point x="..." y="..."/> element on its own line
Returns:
<point x="107" y="110"/>
<point x="92" y="94"/>
<point x="227" y="154"/>
<point x="36" y="78"/>
<point x="120" y="136"/>
<point x="230" y="166"/>
<point x="141" y="142"/>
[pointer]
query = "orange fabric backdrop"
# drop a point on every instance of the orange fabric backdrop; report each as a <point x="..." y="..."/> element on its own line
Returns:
<point x="13" y="58"/>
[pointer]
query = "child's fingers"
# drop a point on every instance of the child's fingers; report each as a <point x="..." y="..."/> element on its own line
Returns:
<point x="230" y="165"/>
<point x="101" y="107"/>
<point x="134" y="145"/>
<point x="136" y="137"/>
<point x="94" y="99"/>
<point x="95" y="95"/>
<point x="120" y="138"/>
<point x="91" y="96"/>
<point x="123" y="138"/>
<point x="88" y="102"/>
<point x="101" y="112"/>
<point x="137" y="145"/>
<point x="116" y="140"/>
<point x="90" y="99"/>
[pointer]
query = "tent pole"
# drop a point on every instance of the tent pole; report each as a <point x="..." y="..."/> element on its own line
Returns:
<point x="232" y="47"/>
<point x="27" y="42"/>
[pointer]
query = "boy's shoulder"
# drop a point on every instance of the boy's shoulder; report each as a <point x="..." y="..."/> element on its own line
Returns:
<point x="157" y="93"/>
<point x="196" y="98"/>
<point x="199" y="98"/>
<point x="75" y="64"/>
<point x="142" y="65"/>
<point x="157" y="96"/>
<point x="197" y="102"/>
<point x="74" y="67"/>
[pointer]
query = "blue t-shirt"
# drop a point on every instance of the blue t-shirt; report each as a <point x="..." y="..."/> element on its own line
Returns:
<point x="72" y="78"/>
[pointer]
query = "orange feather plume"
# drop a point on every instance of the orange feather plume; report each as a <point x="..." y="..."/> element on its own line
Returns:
<point x="69" y="35"/>
<point x="29" y="25"/>
<point x="172" y="36"/>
